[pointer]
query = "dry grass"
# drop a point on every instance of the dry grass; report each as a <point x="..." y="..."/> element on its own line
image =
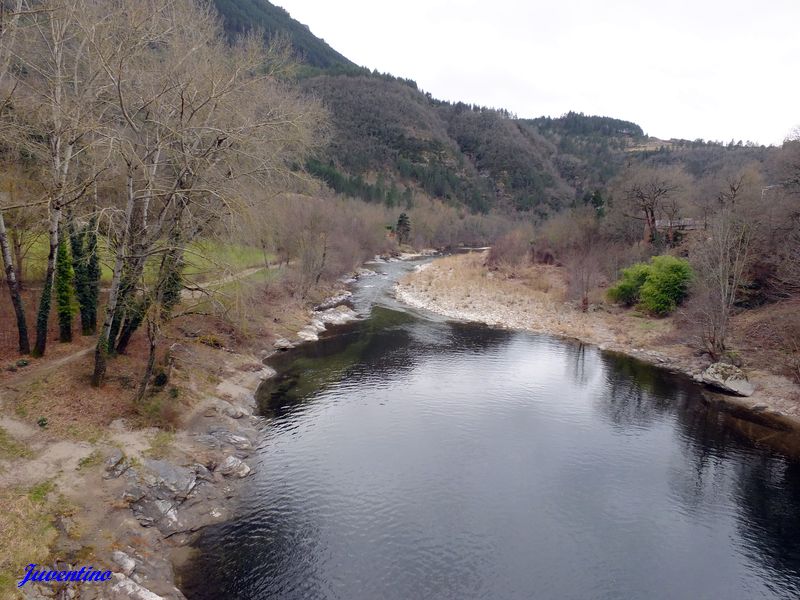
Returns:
<point x="10" y="448"/>
<point x="160" y="444"/>
<point x="74" y="409"/>
<point x="26" y="532"/>
<point x="532" y="297"/>
<point x="770" y="335"/>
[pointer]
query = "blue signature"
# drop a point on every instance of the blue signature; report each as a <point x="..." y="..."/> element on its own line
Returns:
<point x="85" y="574"/>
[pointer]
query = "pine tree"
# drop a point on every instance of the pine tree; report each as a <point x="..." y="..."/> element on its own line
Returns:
<point x="78" y="248"/>
<point x="403" y="229"/>
<point x="64" y="294"/>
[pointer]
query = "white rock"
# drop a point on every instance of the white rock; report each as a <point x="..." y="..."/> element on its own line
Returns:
<point x="233" y="466"/>
<point x="231" y="410"/>
<point x="125" y="562"/>
<point x="729" y="379"/>
<point x="282" y="344"/>
<point x="308" y="334"/>
<point x="126" y="588"/>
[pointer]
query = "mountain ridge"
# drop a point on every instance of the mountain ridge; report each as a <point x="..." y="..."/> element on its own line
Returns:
<point x="392" y="140"/>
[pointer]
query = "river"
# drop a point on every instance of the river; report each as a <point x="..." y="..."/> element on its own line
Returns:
<point x="407" y="457"/>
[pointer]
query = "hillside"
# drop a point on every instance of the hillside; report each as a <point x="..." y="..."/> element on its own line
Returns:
<point x="241" y="16"/>
<point x="390" y="140"/>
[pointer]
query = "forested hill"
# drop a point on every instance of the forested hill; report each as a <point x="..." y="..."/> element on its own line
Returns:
<point x="241" y="16"/>
<point x="390" y="141"/>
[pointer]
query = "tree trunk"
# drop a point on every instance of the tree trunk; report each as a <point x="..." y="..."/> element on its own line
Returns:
<point x="101" y="350"/>
<point x="152" y="336"/>
<point x="19" y="257"/>
<point x="43" y="314"/>
<point x="131" y="324"/>
<point x="93" y="273"/>
<point x="13" y="290"/>
<point x="79" y="269"/>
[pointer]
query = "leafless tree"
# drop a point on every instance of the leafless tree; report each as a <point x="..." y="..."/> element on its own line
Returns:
<point x="721" y="263"/>
<point x="199" y="120"/>
<point x="56" y="116"/>
<point x="647" y="190"/>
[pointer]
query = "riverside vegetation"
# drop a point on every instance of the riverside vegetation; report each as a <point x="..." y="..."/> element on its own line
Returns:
<point x="140" y="141"/>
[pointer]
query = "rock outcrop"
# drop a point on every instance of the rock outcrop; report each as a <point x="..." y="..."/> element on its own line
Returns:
<point x="728" y="378"/>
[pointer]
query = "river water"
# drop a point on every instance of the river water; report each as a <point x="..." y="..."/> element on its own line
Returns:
<point x="411" y="458"/>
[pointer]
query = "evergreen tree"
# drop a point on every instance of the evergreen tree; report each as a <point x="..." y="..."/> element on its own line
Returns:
<point x="85" y="265"/>
<point x="403" y="228"/>
<point x="173" y="284"/>
<point x="63" y="285"/>
<point x="93" y="272"/>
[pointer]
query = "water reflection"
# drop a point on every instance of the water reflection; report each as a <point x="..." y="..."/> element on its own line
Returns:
<point x="412" y="458"/>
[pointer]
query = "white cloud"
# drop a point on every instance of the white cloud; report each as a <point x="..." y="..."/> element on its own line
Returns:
<point x="716" y="69"/>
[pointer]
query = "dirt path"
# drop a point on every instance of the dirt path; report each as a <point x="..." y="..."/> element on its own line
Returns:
<point x="202" y="288"/>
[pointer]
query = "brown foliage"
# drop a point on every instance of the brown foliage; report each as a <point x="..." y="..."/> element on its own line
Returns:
<point x="512" y="249"/>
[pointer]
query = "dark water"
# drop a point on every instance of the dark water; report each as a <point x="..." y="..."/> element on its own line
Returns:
<point x="411" y="458"/>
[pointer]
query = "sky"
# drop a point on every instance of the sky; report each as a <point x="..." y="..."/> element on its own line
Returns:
<point x="711" y="69"/>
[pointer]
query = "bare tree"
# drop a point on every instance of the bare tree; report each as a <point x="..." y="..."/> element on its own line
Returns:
<point x="582" y="255"/>
<point x="13" y="288"/>
<point x="647" y="190"/>
<point x="721" y="264"/>
<point x="199" y="119"/>
<point x="58" y="116"/>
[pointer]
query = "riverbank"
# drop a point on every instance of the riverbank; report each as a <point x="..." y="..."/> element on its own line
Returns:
<point x="94" y="485"/>
<point x="533" y="299"/>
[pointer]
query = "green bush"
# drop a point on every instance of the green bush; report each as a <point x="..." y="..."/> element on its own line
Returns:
<point x="667" y="285"/>
<point x="626" y="291"/>
<point x="658" y="287"/>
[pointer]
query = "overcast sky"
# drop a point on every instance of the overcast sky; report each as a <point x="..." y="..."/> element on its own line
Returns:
<point x="712" y="69"/>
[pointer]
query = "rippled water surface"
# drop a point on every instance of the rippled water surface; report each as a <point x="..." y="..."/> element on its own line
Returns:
<point x="412" y="458"/>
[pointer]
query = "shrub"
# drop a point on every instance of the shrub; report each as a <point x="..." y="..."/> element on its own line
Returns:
<point x="512" y="249"/>
<point x="667" y="284"/>
<point x="626" y="291"/>
<point x="658" y="287"/>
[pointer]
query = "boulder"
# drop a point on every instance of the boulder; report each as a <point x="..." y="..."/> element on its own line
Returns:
<point x="231" y="410"/>
<point x="282" y="344"/>
<point x="729" y="379"/>
<point x="125" y="562"/>
<point x="233" y="467"/>
<point x="336" y="316"/>
<point x="125" y="588"/>
<point x="224" y="436"/>
<point x="116" y="464"/>
<point x="334" y="301"/>
<point x="171" y="480"/>
<point x="155" y="495"/>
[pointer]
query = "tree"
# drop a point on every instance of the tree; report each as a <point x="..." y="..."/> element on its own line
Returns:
<point x="403" y="229"/>
<point x="720" y="263"/>
<point x="13" y="289"/>
<point x="86" y="270"/>
<point x="648" y="191"/>
<point x="199" y="123"/>
<point x="91" y="286"/>
<point x="58" y="116"/>
<point x="64" y="297"/>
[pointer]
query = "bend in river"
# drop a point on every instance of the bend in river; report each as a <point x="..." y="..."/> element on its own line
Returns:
<point x="408" y="457"/>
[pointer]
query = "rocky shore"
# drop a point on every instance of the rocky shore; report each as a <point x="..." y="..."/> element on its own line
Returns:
<point x="462" y="288"/>
<point x="146" y="510"/>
